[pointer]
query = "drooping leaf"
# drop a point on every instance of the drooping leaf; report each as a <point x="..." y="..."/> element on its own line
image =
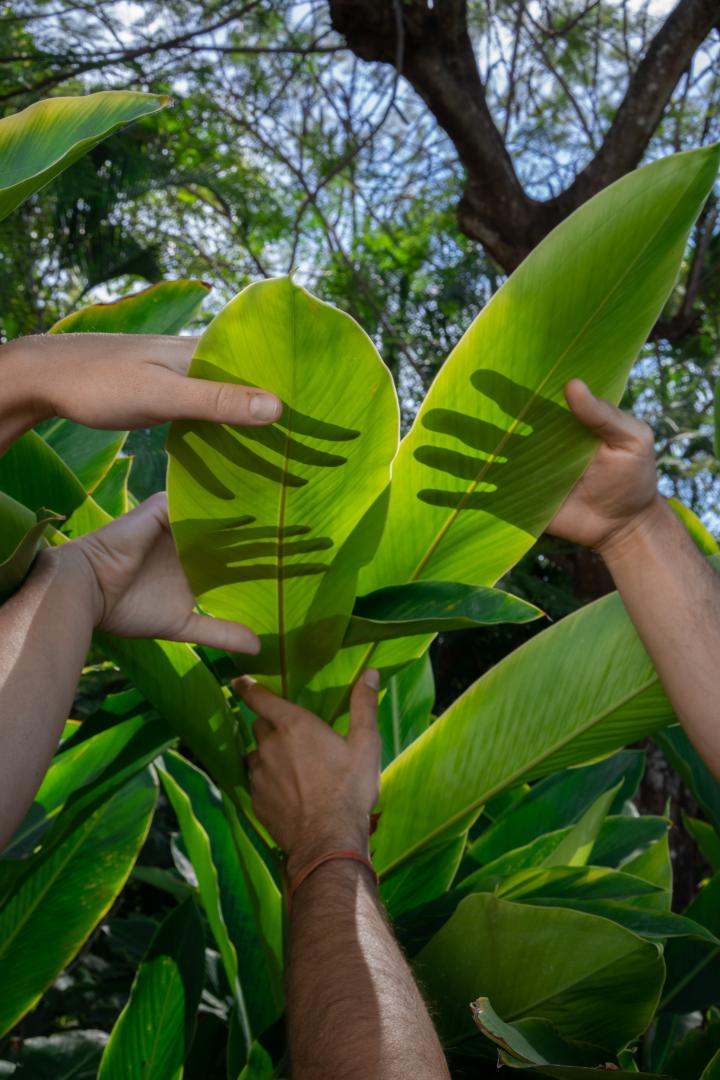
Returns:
<point x="432" y="607"/>
<point x="153" y="1033"/>
<point x="543" y="707"/>
<point x="273" y="523"/>
<point x="64" y="893"/>
<point x="15" y="567"/>
<point x="42" y="140"/>
<point x="241" y="901"/>
<point x="405" y="709"/>
<point x="537" y="1042"/>
<point x="494" y="449"/>
<point x="594" y="980"/>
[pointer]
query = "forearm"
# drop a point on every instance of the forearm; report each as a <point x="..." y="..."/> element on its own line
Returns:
<point x="45" y="630"/>
<point x="672" y="595"/>
<point x="20" y="404"/>
<point x="354" y="1010"/>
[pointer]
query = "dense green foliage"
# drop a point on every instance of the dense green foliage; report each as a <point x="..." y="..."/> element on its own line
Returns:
<point x="487" y="839"/>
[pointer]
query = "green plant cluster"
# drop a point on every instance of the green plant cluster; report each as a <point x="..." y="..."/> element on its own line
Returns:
<point x="534" y="902"/>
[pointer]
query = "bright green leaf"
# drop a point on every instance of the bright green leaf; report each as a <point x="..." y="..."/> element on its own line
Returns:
<point x="65" y="891"/>
<point x="594" y="980"/>
<point x="42" y="140"/>
<point x="273" y="523"/>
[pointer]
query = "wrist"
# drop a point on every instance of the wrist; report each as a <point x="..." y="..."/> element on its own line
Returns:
<point x="77" y="571"/>
<point x="22" y="388"/>
<point x="311" y="843"/>
<point x="629" y="538"/>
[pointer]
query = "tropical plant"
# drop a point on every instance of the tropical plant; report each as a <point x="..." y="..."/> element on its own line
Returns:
<point x="520" y="877"/>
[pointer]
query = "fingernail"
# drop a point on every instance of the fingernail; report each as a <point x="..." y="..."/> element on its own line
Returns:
<point x="372" y="678"/>
<point x="265" y="407"/>
<point x="254" y="645"/>
<point x="243" y="682"/>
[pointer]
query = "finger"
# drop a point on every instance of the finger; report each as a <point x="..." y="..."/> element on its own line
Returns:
<point x="263" y="702"/>
<point x="611" y="424"/>
<point x="142" y="527"/>
<point x="364" y="706"/>
<point x="219" y="634"/>
<point x="252" y="761"/>
<point x="261" y="729"/>
<point x="222" y="403"/>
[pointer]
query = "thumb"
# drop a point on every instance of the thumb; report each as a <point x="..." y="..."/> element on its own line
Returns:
<point x="612" y="425"/>
<point x="219" y="634"/>
<point x="364" y="706"/>
<point x="220" y="402"/>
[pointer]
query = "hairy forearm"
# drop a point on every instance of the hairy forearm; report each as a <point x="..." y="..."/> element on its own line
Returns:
<point x="45" y="630"/>
<point x="672" y="595"/>
<point x="354" y="1010"/>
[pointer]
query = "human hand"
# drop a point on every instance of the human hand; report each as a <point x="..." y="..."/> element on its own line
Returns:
<point x="313" y="789"/>
<point x="618" y="491"/>
<point x="137" y="586"/>
<point x="116" y="381"/>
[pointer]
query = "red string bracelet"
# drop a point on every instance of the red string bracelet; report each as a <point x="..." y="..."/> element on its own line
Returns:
<point x="341" y="853"/>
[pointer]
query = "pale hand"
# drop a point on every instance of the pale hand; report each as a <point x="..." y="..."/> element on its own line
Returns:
<point x="137" y="585"/>
<point x="313" y="789"/>
<point x="116" y="381"/>
<point x="618" y="490"/>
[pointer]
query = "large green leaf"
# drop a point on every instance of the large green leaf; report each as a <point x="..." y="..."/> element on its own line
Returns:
<point x="65" y="892"/>
<point x="163" y="308"/>
<point x="241" y="900"/>
<point x="42" y="140"/>
<point x="432" y="607"/>
<point x="169" y="674"/>
<point x="89" y="769"/>
<point x="578" y="690"/>
<point x="153" y="1033"/>
<point x="273" y="523"/>
<point x="494" y="449"/>
<point x="594" y="980"/>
